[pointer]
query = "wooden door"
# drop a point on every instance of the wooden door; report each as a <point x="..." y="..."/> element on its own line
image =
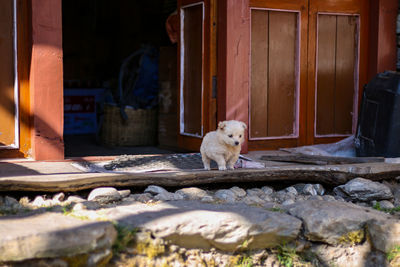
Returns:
<point x="278" y="73"/>
<point x="308" y="62"/>
<point x="9" y="126"/>
<point x="337" y="61"/>
<point x="197" y="46"/>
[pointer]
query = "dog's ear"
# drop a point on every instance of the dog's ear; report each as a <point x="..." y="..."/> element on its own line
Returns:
<point x="244" y="125"/>
<point x="221" y="125"/>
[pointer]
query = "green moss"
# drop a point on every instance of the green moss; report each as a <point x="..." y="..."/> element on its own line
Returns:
<point x="244" y="261"/>
<point x="377" y="206"/>
<point x="393" y="254"/>
<point x="77" y="261"/>
<point x="151" y="247"/>
<point x="276" y="209"/>
<point x="124" y="237"/>
<point x="353" y="237"/>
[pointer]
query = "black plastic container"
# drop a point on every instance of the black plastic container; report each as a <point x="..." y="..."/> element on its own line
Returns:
<point x="378" y="130"/>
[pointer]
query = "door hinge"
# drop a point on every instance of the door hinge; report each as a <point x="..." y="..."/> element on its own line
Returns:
<point x="214" y="86"/>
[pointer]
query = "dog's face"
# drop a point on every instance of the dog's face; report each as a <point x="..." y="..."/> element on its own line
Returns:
<point x="231" y="132"/>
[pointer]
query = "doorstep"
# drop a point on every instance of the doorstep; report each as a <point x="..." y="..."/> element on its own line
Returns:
<point x="62" y="176"/>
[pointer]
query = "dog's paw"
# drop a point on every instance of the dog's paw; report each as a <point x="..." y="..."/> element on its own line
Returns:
<point x="231" y="168"/>
<point x="222" y="168"/>
<point x="207" y="168"/>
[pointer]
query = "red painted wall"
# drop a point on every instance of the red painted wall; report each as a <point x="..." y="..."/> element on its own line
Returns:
<point x="233" y="65"/>
<point x="46" y="80"/>
<point x="383" y="50"/>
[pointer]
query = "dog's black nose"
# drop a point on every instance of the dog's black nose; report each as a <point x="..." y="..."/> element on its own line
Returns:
<point x="236" y="143"/>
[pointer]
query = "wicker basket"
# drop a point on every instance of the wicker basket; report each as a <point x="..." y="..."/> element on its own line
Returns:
<point x="139" y="130"/>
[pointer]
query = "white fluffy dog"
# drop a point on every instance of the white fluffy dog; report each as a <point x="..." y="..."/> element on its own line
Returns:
<point x="223" y="145"/>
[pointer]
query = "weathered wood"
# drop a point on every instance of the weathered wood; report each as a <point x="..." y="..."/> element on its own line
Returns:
<point x="321" y="160"/>
<point x="334" y="175"/>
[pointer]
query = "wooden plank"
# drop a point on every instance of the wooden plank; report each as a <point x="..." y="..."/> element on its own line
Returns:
<point x="347" y="51"/>
<point x="321" y="160"/>
<point x="259" y="73"/>
<point x="193" y="69"/>
<point x="332" y="175"/>
<point x="7" y="101"/>
<point x="282" y="73"/>
<point x="325" y="107"/>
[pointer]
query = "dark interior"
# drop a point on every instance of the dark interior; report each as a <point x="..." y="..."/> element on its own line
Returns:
<point x="98" y="38"/>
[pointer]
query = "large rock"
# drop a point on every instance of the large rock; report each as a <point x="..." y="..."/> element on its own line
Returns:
<point x="385" y="234"/>
<point x="361" y="189"/>
<point x="51" y="235"/>
<point x="198" y="225"/>
<point x="104" y="195"/>
<point x="333" y="222"/>
<point x="346" y="256"/>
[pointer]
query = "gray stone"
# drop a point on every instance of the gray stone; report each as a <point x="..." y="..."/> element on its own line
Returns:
<point x="328" y="198"/>
<point x="345" y="256"/>
<point x="96" y="258"/>
<point x="75" y="199"/>
<point x="385" y="204"/>
<point x="288" y="202"/>
<point x="299" y="187"/>
<point x="191" y="224"/>
<point x="315" y="198"/>
<point x="385" y="234"/>
<point x="319" y="188"/>
<point x="282" y="196"/>
<point x="255" y="192"/>
<point x="104" y="195"/>
<point x="291" y="190"/>
<point x="191" y="193"/>
<point x="267" y="198"/>
<point x="207" y="199"/>
<point x="360" y="189"/>
<point x="267" y="190"/>
<point x="124" y="193"/>
<point x="225" y="195"/>
<point x="309" y="189"/>
<point x="51" y="235"/>
<point x="167" y="196"/>
<point x="253" y="200"/>
<point x="10" y="201"/>
<point x="155" y="190"/>
<point x="87" y="205"/>
<point x="332" y="221"/>
<point x="145" y="197"/>
<point x="38" y="202"/>
<point x="239" y="192"/>
<point x="59" y="197"/>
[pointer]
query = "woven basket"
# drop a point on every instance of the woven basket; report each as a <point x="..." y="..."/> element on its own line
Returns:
<point x="139" y="130"/>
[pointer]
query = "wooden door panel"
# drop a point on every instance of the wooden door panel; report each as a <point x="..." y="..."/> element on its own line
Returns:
<point x="197" y="57"/>
<point x="192" y="76"/>
<point x="337" y="50"/>
<point x="273" y="90"/>
<point x="346" y="74"/>
<point x="283" y="82"/>
<point x="278" y="72"/>
<point x="259" y="73"/>
<point x="8" y="94"/>
<point x="325" y="119"/>
<point x="336" y="71"/>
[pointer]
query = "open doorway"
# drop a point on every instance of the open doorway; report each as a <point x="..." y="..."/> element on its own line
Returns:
<point x="119" y="64"/>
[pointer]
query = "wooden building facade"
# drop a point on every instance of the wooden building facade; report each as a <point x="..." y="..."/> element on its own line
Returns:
<point x="293" y="71"/>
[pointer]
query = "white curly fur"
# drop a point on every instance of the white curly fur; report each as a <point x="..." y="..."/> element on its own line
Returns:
<point x="223" y="145"/>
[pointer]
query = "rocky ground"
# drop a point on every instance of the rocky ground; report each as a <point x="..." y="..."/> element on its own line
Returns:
<point x="355" y="224"/>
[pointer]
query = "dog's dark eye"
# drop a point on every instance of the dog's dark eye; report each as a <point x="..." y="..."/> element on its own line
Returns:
<point x="240" y="136"/>
<point x="230" y="136"/>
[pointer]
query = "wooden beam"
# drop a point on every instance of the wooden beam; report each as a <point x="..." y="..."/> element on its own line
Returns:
<point x="332" y="175"/>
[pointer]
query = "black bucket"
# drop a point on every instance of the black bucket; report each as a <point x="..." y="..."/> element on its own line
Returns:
<point x="378" y="130"/>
